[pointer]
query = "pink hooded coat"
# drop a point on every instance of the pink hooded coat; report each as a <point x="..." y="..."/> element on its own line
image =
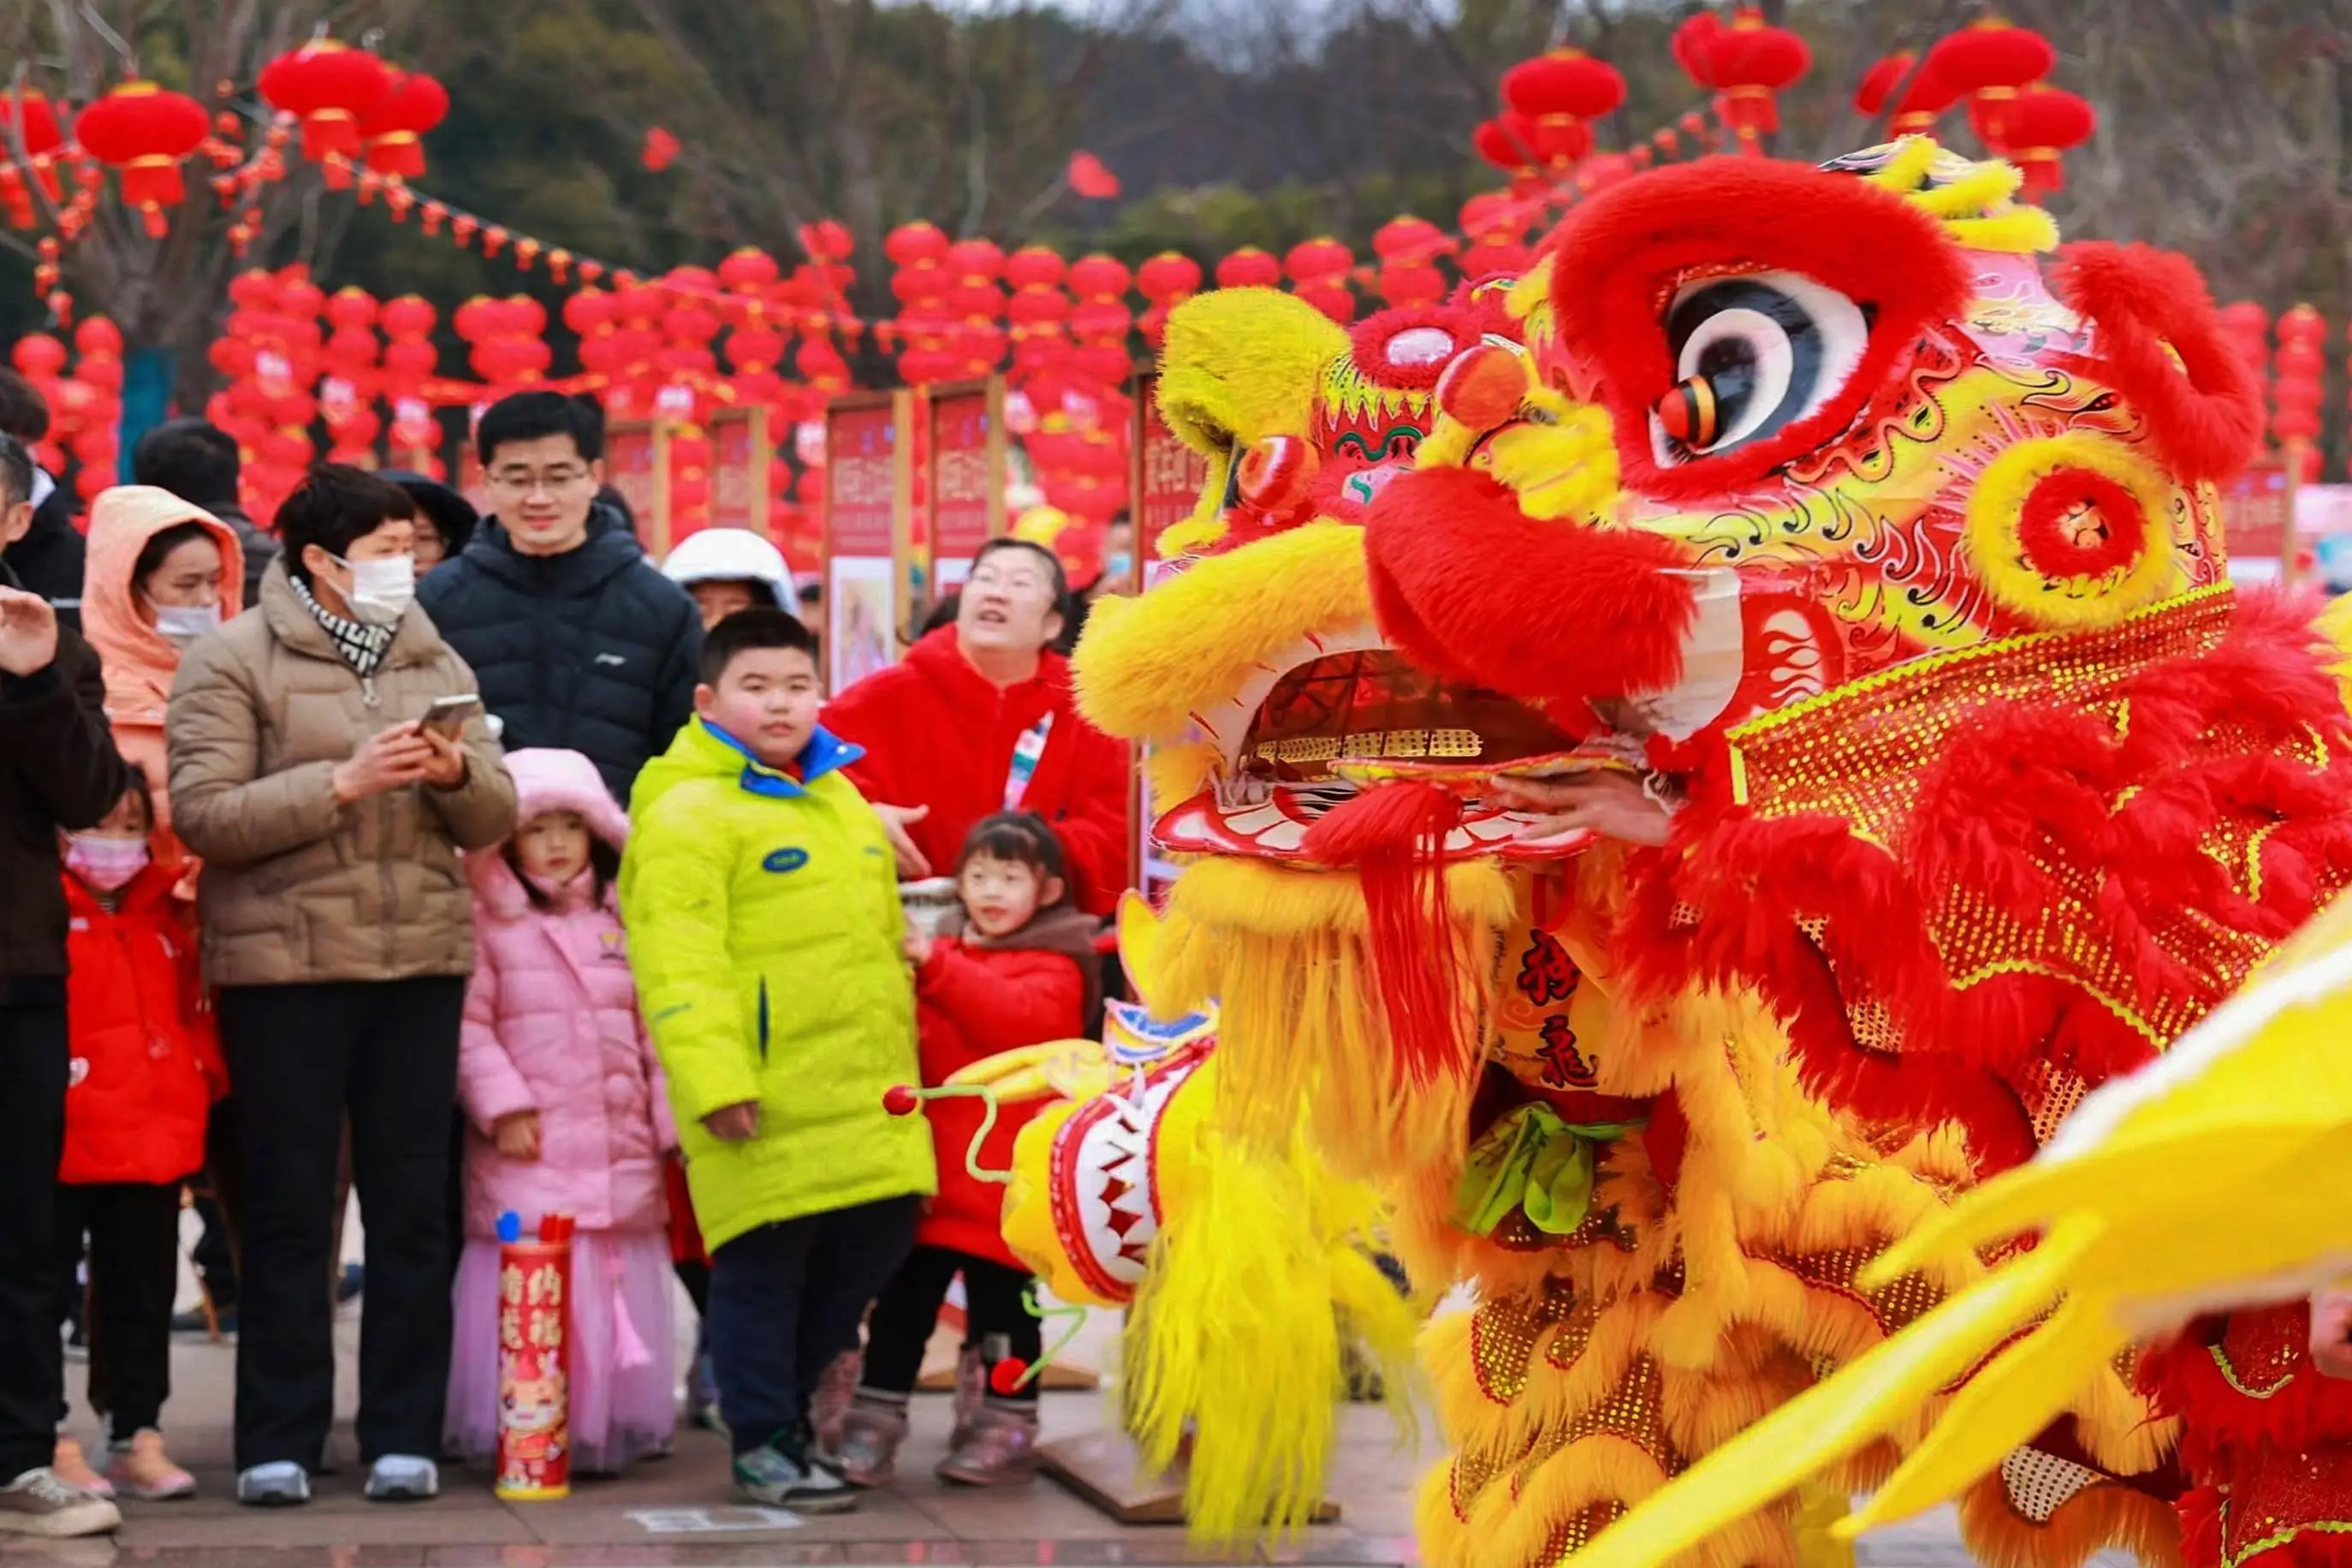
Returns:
<point x="551" y="1026"/>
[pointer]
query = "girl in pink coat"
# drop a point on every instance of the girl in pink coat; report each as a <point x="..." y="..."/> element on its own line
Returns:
<point x="566" y="1113"/>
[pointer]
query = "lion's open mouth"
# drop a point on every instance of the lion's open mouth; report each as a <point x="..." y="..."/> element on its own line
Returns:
<point x="1330" y="716"/>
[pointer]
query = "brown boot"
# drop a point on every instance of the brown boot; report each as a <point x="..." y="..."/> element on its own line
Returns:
<point x="971" y="1389"/>
<point x="871" y="1435"/>
<point x="1000" y="1451"/>
<point x="830" y="1402"/>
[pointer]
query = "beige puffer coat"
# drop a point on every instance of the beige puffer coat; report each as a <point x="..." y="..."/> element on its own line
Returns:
<point x="297" y="888"/>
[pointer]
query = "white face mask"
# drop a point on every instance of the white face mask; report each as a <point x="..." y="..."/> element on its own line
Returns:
<point x="184" y="624"/>
<point x="381" y="589"/>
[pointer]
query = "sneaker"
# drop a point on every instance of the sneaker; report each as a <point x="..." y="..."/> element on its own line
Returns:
<point x="281" y="1483"/>
<point x="142" y="1469"/>
<point x="1000" y="1451"/>
<point x="69" y="1464"/>
<point x="38" y="1503"/>
<point x="783" y="1474"/>
<point x="403" y="1477"/>
<point x="871" y="1435"/>
<point x="834" y="1389"/>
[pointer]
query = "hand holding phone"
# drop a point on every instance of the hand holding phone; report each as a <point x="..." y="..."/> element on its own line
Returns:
<point x="447" y="715"/>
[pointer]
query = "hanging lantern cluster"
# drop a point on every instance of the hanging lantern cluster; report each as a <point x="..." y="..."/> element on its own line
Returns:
<point x="1549" y="103"/>
<point x="353" y="379"/>
<point x="1167" y="280"/>
<point x="28" y="118"/>
<point x="920" y="283"/>
<point x="1100" y="320"/>
<point x="271" y="351"/>
<point x="409" y="360"/>
<point x="1497" y="224"/>
<point x="975" y="304"/>
<point x="2298" y="390"/>
<point x="1924" y="97"/>
<point x="1409" y="248"/>
<point x="1747" y="65"/>
<point x="1318" y="269"/>
<point x="85" y="403"/>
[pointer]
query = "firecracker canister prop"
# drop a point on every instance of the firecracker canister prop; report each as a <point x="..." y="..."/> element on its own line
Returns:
<point x="534" y="1359"/>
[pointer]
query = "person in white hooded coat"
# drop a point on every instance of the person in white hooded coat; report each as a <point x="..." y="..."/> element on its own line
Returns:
<point x="732" y="569"/>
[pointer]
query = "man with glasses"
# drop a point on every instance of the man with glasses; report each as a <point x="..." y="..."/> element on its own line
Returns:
<point x="578" y="641"/>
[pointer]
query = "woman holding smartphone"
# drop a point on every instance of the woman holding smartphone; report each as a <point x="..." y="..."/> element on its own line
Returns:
<point x="339" y="930"/>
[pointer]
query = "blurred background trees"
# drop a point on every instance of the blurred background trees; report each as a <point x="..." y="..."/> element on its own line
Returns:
<point x="1226" y="122"/>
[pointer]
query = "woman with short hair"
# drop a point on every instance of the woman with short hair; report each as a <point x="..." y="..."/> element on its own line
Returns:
<point x="338" y="926"/>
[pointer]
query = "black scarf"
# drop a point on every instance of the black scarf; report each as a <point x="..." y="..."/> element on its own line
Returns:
<point x="361" y="646"/>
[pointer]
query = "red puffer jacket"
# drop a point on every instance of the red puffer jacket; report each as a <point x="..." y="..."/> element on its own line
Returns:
<point x="937" y="733"/>
<point x="146" y="1061"/>
<point x="973" y="1003"/>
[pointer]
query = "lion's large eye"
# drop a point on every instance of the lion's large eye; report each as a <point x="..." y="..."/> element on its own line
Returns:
<point x="1755" y="354"/>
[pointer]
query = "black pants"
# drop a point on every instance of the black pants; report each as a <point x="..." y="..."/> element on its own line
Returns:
<point x="135" y="1267"/>
<point x="215" y="1250"/>
<point x="786" y="1298"/>
<point x="33" y="1058"/>
<point x="996" y="1319"/>
<point x="299" y="1056"/>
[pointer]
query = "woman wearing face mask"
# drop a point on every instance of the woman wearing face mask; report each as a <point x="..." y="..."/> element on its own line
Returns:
<point x="161" y="574"/>
<point x="338" y="928"/>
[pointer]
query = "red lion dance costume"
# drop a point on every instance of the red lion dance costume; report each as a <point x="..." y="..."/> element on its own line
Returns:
<point x="1800" y="510"/>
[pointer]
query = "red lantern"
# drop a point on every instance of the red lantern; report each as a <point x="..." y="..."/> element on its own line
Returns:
<point x="913" y="242"/>
<point x="1033" y="266"/>
<point x="1500" y="143"/>
<point x="1751" y="62"/>
<point x="974" y="261"/>
<point x="1314" y="261"/>
<point x="2040" y="126"/>
<point x="1249" y="268"/>
<point x="825" y="241"/>
<point x="395" y="129"/>
<point x="1409" y="239"/>
<point x="1168" y="277"/>
<point x="1566" y="82"/>
<point x="142" y="132"/>
<point x="1991" y="61"/>
<point x="407" y="317"/>
<point x="329" y="86"/>
<point x="1098" y="277"/>
<point x="747" y="270"/>
<point x="38" y="126"/>
<point x="1411" y="282"/>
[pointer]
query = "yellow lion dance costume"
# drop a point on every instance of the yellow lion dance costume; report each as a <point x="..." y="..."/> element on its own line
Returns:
<point x="1796" y="503"/>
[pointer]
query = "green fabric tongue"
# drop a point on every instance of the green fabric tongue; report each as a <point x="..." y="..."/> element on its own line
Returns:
<point x="1532" y="1161"/>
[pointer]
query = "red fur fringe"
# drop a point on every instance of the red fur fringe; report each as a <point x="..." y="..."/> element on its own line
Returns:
<point x="1467" y="585"/>
<point x="2208" y="422"/>
<point x="1394" y="836"/>
<point x="2226" y="735"/>
<point x="1619" y="255"/>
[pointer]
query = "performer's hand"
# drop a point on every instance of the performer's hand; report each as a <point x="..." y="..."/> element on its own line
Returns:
<point x="1613" y="805"/>
<point x="2331" y="1332"/>
<point x="734" y="1124"/>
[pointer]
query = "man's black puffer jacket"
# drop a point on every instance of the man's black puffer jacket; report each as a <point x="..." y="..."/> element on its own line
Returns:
<point x="595" y="650"/>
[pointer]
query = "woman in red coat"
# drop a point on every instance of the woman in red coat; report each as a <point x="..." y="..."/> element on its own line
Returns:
<point x="1021" y="972"/>
<point x="146" y="1070"/>
<point x="979" y="718"/>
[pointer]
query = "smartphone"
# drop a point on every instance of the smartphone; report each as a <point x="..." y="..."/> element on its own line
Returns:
<point x="447" y="718"/>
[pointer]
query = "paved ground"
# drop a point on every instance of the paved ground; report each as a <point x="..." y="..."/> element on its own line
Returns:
<point x="678" y="1511"/>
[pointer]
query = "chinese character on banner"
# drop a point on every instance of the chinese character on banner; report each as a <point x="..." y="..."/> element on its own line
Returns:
<point x="1547" y="973"/>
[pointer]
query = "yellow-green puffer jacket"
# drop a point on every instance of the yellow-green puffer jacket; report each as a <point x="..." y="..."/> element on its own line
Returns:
<point x="765" y="932"/>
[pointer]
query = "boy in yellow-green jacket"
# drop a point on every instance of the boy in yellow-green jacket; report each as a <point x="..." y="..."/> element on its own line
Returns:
<point x="761" y="903"/>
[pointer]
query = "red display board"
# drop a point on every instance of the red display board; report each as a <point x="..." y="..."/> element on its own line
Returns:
<point x="967" y="475"/>
<point x="2258" y="520"/>
<point x="869" y="570"/>
<point x="1167" y="480"/>
<point x="740" y="473"/>
<point x="636" y="464"/>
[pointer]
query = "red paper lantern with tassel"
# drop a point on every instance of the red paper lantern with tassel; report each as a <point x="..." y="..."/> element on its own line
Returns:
<point x="1751" y="63"/>
<point x="330" y="86"/>
<point x="395" y="130"/>
<point x="1991" y="62"/>
<point x="1249" y="268"/>
<point x="39" y="131"/>
<point x="142" y="132"/>
<point x="2039" y="127"/>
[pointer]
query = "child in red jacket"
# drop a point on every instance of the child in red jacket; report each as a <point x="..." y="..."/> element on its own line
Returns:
<point x="1022" y="972"/>
<point x="146" y="1072"/>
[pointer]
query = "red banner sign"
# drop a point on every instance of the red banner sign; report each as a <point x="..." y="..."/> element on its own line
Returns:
<point x="632" y="467"/>
<point x="967" y="486"/>
<point x="861" y="480"/>
<point x="739" y="469"/>
<point x="1167" y="476"/>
